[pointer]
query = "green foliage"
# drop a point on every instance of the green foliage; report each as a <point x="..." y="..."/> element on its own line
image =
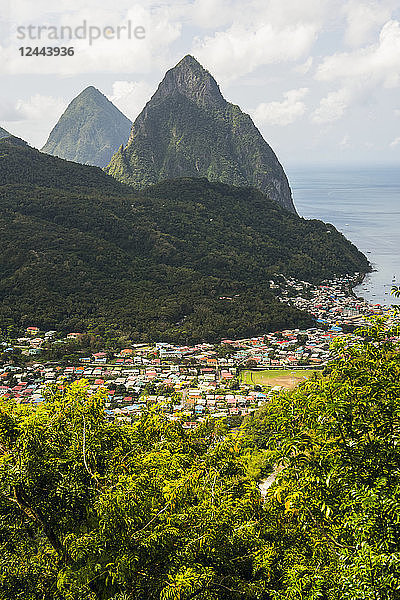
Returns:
<point x="90" y="130"/>
<point x="188" y="129"/>
<point x="335" y="445"/>
<point x="79" y="250"/>
<point x="257" y="464"/>
<point x="22" y="165"/>
<point x="108" y="511"/>
<point x="94" y="510"/>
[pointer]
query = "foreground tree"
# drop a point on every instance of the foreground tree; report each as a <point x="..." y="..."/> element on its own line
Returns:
<point x="337" y="444"/>
<point x="93" y="510"/>
<point x="90" y="509"/>
<point x="396" y="292"/>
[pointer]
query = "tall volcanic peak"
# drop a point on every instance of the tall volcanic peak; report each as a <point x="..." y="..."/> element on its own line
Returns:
<point x="4" y="133"/>
<point x="90" y="130"/>
<point x="188" y="129"/>
<point x="191" y="80"/>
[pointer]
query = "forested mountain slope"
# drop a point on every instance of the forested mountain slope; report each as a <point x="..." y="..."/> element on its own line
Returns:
<point x="89" y="131"/>
<point x="188" y="129"/>
<point x="79" y="249"/>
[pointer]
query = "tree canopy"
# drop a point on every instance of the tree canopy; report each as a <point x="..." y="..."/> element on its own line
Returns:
<point x="336" y="443"/>
<point x="96" y="510"/>
<point x="78" y="249"/>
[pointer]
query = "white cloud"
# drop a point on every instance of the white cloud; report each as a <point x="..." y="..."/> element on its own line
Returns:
<point x="209" y="14"/>
<point x="215" y="14"/>
<point x="39" y="106"/>
<point x="377" y="64"/>
<point x="26" y="11"/>
<point x="283" y="14"/>
<point x="364" y="18"/>
<point x="237" y="51"/>
<point x="260" y="32"/>
<point x="359" y="74"/>
<point x="282" y="113"/>
<point x="395" y="142"/>
<point x="121" y="55"/>
<point x="345" y="141"/>
<point x="131" y="96"/>
<point x="37" y="115"/>
<point x="8" y="111"/>
<point x="332" y="107"/>
<point x="305" y="67"/>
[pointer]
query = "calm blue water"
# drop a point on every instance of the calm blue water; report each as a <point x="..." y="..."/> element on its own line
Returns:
<point x="364" y="204"/>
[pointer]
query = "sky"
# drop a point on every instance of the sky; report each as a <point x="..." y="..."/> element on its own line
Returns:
<point x="320" y="78"/>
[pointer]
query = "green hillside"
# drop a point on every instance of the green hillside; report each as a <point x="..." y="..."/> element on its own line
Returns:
<point x="22" y="164"/>
<point x="78" y="250"/>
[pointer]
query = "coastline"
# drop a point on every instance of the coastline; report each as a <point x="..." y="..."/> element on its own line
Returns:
<point x="363" y="206"/>
<point x="334" y="302"/>
<point x="374" y="292"/>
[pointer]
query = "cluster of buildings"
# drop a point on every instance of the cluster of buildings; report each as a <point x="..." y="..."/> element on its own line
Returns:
<point x="191" y="391"/>
<point x="331" y="303"/>
<point x="193" y="381"/>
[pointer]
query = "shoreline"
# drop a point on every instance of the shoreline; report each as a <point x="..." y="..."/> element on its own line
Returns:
<point x="380" y="296"/>
<point x="333" y="302"/>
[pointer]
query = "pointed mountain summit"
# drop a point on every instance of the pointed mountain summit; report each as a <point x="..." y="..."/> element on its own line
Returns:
<point x="191" y="80"/>
<point x="188" y="129"/>
<point x="4" y="133"/>
<point x="90" y="130"/>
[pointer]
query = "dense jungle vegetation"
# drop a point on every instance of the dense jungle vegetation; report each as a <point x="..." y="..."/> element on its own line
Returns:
<point x="79" y="250"/>
<point x="97" y="510"/>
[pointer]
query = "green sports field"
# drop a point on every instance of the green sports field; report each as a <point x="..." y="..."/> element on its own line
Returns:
<point x="284" y="377"/>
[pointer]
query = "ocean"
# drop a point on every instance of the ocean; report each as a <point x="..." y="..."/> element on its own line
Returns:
<point x="364" y="204"/>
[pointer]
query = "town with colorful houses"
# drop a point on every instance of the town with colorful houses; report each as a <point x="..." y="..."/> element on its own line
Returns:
<point x="228" y="379"/>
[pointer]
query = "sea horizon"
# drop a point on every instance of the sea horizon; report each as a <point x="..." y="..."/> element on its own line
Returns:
<point x="363" y="203"/>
